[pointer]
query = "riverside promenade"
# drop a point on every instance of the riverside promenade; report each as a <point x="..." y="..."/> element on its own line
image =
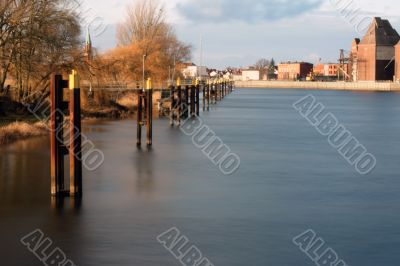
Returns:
<point x="350" y="86"/>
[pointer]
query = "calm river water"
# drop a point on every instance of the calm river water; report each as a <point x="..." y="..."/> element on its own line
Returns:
<point x="290" y="180"/>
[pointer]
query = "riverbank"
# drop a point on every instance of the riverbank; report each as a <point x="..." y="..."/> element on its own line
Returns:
<point x="346" y="86"/>
<point x="21" y="130"/>
<point x="18" y="123"/>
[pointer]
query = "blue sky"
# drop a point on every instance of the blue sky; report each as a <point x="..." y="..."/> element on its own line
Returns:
<point x="238" y="32"/>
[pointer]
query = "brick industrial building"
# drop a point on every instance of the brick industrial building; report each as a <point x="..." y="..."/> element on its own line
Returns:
<point x="327" y="70"/>
<point x="373" y="57"/>
<point x="294" y="70"/>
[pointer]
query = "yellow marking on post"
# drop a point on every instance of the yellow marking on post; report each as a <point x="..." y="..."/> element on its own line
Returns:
<point x="74" y="80"/>
<point x="149" y="84"/>
<point x="197" y="82"/>
<point x="178" y="82"/>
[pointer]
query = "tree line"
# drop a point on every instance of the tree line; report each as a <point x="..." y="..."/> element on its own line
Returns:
<point x="144" y="37"/>
<point x="39" y="37"/>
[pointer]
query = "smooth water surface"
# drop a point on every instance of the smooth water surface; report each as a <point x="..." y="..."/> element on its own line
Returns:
<point x="290" y="180"/>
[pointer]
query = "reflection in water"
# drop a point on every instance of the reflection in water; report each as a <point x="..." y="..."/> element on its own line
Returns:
<point x="144" y="171"/>
<point x="67" y="203"/>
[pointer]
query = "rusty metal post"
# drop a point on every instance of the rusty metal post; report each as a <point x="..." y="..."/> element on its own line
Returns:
<point x="212" y="90"/>
<point x="179" y="102"/>
<point x="212" y="84"/>
<point x="149" y="115"/>
<point x="217" y="92"/>
<point x="186" y="102"/>
<point x="197" y="98"/>
<point x="58" y="148"/>
<point x="75" y="149"/>
<point x="172" y="108"/>
<point x="204" y="96"/>
<point x="139" y="118"/>
<point x="187" y="110"/>
<point x="221" y="87"/>
<point x="221" y="91"/>
<point x="208" y="95"/>
<point x="192" y="90"/>
<point x="56" y="135"/>
<point x="225" y="92"/>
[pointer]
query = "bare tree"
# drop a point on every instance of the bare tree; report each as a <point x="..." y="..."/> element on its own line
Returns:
<point x="262" y="64"/>
<point x="144" y="19"/>
<point x="146" y="32"/>
<point x="37" y="37"/>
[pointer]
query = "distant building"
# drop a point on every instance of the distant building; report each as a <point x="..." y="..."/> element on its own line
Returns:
<point x="326" y="70"/>
<point x="397" y="62"/>
<point x="353" y="63"/>
<point x="250" y="75"/>
<point x="195" y="71"/>
<point x="319" y="70"/>
<point x="294" y="70"/>
<point x="373" y="58"/>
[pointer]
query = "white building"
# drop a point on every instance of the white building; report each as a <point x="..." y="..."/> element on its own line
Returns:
<point x="250" y="75"/>
<point x="195" y="71"/>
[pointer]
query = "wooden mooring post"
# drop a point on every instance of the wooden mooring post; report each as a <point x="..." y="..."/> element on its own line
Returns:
<point x="192" y="99"/>
<point x="221" y="86"/>
<point x="220" y="90"/>
<point x="195" y="98"/>
<point x="204" y="96"/>
<point x="185" y="104"/>
<point x="172" y="114"/>
<point x="197" y="83"/>
<point x="213" y="92"/>
<point x="75" y="154"/>
<point x="58" y="148"/>
<point x="208" y="95"/>
<point x="145" y="114"/>
<point x="179" y="103"/>
<point x="185" y="100"/>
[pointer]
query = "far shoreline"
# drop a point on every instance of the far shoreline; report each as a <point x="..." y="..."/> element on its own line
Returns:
<point x="310" y="85"/>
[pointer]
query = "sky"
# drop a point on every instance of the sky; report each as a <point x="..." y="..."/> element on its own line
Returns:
<point x="239" y="32"/>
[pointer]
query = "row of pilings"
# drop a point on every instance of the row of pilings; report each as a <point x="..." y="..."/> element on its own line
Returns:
<point x="185" y="98"/>
<point x="185" y="102"/>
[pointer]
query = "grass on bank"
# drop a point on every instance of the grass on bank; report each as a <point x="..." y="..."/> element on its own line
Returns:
<point x="21" y="130"/>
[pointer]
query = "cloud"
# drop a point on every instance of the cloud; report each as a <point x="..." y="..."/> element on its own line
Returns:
<point x="249" y="11"/>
